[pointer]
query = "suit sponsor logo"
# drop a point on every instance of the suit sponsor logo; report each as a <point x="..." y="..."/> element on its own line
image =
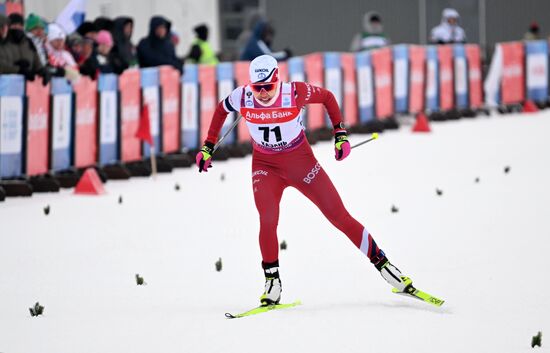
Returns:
<point x="259" y="172"/>
<point x="312" y="173"/>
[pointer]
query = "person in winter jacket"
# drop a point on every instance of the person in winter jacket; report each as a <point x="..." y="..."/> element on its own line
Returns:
<point x="252" y="18"/>
<point x="17" y="53"/>
<point x="104" y="45"/>
<point x="448" y="32"/>
<point x="157" y="49"/>
<point x="35" y="27"/>
<point x="373" y="34"/>
<point x="201" y="51"/>
<point x="123" y="54"/>
<point x="60" y="60"/>
<point x="260" y="43"/>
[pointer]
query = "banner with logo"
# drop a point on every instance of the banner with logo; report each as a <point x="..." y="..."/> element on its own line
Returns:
<point x="473" y="54"/>
<point x="170" y="83"/>
<point x="537" y="70"/>
<point x="209" y="98"/>
<point x="432" y="79"/>
<point x="12" y="91"/>
<point x="401" y="78"/>
<point x="365" y="86"/>
<point x="190" y="108"/>
<point x="383" y="82"/>
<point x="38" y="132"/>
<point x="61" y="125"/>
<point x="513" y="74"/>
<point x="242" y="77"/>
<point x="150" y="95"/>
<point x="446" y="88"/>
<point x="417" y="78"/>
<point x="333" y="80"/>
<point x="130" y="103"/>
<point x="108" y="119"/>
<point x="460" y="76"/>
<point x="85" y="140"/>
<point x="351" y="114"/>
<point x="313" y="66"/>
<point x="226" y="85"/>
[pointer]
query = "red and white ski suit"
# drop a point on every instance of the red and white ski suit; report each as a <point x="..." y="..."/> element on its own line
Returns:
<point x="282" y="157"/>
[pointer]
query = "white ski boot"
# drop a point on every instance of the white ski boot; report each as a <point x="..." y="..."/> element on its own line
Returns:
<point x="273" y="287"/>
<point x="392" y="275"/>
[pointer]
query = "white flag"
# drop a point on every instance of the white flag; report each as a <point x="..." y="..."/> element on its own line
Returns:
<point x="72" y="15"/>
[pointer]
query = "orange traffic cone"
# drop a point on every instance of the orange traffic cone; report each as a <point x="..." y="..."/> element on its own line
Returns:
<point x="89" y="184"/>
<point x="422" y="124"/>
<point x="530" y="107"/>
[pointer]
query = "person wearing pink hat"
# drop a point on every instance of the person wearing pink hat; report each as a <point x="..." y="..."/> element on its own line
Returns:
<point x="100" y="59"/>
<point x="104" y="45"/>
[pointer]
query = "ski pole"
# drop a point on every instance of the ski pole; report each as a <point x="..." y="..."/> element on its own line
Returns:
<point x="227" y="133"/>
<point x="374" y="137"/>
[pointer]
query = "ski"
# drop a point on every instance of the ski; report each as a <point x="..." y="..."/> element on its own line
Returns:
<point x="262" y="309"/>
<point x="420" y="295"/>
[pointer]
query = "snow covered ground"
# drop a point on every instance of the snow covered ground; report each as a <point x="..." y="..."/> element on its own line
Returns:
<point x="483" y="247"/>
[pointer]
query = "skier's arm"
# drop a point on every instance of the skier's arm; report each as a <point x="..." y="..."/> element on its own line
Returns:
<point x="309" y="94"/>
<point x="217" y="122"/>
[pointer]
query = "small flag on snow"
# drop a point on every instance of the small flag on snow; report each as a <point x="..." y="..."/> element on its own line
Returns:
<point x="72" y="15"/>
<point x="144" y="130"/>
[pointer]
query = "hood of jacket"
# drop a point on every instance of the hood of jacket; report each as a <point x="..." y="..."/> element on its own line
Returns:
<point x="157" y="21"/>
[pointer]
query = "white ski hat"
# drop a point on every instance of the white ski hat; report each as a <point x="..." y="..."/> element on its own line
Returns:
<point x="450" y="13"/>
<point x="264" y="69"/>
<point x="55" y="32"/>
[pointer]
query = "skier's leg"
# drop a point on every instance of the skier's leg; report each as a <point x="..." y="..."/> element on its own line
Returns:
<point x="268" y="188"/>
<point x="316" y="185"/>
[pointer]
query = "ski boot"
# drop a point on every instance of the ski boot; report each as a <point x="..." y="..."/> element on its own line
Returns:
<point x="391" y="274"/>
<point x="273" y="288"/>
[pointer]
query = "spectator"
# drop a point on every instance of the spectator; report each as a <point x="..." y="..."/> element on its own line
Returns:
<point x="533" y="33"/>
<point x="373" y="35"/>
<point x="75" y="47"/>
<point x="18" y="53"/>
<point x="61" y="61"/>
<point x="97" y="61"/>
<point x="123" y="54"/>
<point x="87" y="63"/>
<point x="104" y="23"/>
<point x="104" y="46"/>
<point x="201" y="52"/>
<point x="448" y="32"/>
<point x="36" y="31"/>
<point x="252" y="17"/>
<point x="157" y="49"/>
<point x="260" y="43"/>
<point x="87" y="30"/>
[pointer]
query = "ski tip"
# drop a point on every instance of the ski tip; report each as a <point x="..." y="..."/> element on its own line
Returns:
<point x="375" y="135"/>
<point x="230" y="316"/>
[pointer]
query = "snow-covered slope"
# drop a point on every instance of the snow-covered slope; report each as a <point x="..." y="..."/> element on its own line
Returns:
<point x="483" y="247"/>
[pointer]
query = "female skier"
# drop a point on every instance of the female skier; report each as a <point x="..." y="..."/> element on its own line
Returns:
<point x="282" y="157"/>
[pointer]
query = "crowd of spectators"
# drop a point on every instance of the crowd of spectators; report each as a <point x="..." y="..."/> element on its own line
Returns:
<point x="33" y="47"/>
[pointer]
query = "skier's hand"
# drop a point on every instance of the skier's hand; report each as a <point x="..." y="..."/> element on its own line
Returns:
<point x="342" y="147"/>
<point x="204" y="157"/>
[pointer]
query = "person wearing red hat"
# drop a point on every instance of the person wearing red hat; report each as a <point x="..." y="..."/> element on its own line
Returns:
<point x="282" y="157"/>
